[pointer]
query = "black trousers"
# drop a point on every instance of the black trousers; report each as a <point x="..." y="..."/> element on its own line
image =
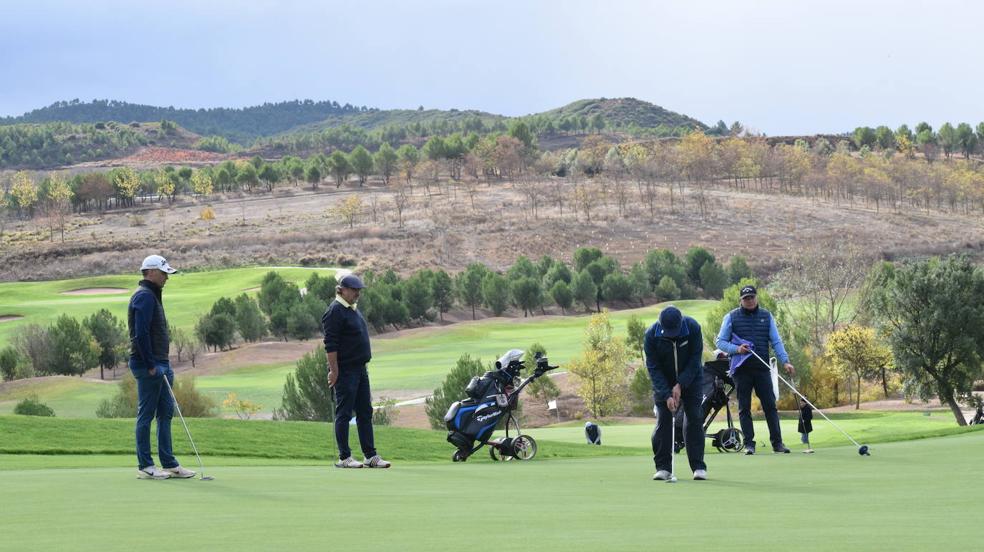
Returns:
<point x="352" y="394"/>
<point x="750" y="376"/>
<point x="693" y="429"/>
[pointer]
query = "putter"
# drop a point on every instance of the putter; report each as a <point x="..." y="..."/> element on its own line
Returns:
<point x="676" y="370"/>
<point x="673" y="477"/>
<point x="193" y="447"/>
<point x="862" y="449"/>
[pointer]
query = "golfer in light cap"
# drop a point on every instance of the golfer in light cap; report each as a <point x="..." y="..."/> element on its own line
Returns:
<point x="149" y="348"/>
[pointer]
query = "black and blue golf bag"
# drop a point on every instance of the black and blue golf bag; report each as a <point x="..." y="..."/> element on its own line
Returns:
<point x="492" y="398"/>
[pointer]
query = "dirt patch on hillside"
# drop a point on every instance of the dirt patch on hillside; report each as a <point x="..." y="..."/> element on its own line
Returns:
<point x="9" y="317"/>
<point x="448" y="227"/>
<point x="156" y="156"/>
<point x="95" y="291"/>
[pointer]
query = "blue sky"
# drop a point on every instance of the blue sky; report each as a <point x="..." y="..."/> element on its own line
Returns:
<point x="781" y="67"/>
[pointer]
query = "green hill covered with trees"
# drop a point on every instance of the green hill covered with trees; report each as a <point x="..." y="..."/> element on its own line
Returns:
<point x="241" y="125"/>
<point x="245" y="125"/>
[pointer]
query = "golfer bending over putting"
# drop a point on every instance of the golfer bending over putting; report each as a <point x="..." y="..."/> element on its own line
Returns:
<point x="149" y="348"/>
<point x="673" y="357"/>
<point x="347" y="345"/>
<point x="752" y="323"/>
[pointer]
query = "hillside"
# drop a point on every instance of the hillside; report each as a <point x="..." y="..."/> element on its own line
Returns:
<point x="377" y="119"/>
<point x="625" y="112"/>
<point x="53" y="144"/>
<point x="307" y="117"/>
<point x="239" y="125"/>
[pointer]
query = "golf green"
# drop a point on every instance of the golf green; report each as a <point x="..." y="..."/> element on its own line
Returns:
<point x="913" y="495"/>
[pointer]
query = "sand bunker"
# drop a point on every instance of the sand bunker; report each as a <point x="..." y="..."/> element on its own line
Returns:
<point x="95" y="291"/>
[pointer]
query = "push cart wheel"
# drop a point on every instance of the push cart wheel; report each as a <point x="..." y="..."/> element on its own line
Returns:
<point x="524" y="447"/>
<point x="498" y="456"/>
<point x="457" y="457"/>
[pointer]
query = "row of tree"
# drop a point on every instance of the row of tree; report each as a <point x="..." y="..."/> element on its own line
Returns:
<point x="67" y="347"/>
<point x="285" y="311"/>
<point x="962" y="138"/>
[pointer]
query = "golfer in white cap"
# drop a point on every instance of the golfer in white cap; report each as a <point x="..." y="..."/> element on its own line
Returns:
<point x="149" y="348"/>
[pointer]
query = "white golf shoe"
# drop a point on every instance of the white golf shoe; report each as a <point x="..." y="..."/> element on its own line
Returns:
<point x="661" y="475"/>
<point x="349" y="463"/>
<point x="700" y="475"/>
<point x="180" y="472"/>
<point x="152" y="472"/>
<point x="376" y="462"/>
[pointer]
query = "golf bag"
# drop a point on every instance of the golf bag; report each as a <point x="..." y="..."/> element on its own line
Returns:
<point x="978" y="418"/>
<point x="592" y="433"/>
<point x="718" y="388"/>
<point x="492" y="399"/>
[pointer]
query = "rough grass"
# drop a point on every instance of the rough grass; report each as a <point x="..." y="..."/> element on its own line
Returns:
<point x="235" y="438"/>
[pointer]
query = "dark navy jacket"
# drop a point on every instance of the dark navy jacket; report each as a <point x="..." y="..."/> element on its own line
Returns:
<point x="660" y="359"/>
<point x="149" y="338"/>
<point x="347" y="334"/>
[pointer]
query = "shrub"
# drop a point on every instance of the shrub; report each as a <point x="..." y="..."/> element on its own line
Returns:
<point x="667" y="289"/>
<point x="124" y="403"/>
<point x="452" y="389"/>
<point x="641" y="392"/>
<point x="244" y="409"/>
<point x="544" y="387"/>
<point x="193" y="403"/>
<point x="31" y="406"/>
<point x="307" y="395"/>
<point x="8" y="363"/>
<point x="216" y="330"/>
<point x="385" y="413"/>
<point x="73" y="348"/>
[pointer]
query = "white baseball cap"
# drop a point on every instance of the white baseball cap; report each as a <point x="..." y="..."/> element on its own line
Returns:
<point x="158" y="262"/>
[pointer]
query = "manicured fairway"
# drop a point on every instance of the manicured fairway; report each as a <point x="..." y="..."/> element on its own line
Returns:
<point x="187" y="295"/>
<point x="915" y="495"/>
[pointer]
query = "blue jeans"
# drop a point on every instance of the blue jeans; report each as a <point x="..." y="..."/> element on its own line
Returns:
<point x="352" y="394"/>
<point x="153" y="400"/>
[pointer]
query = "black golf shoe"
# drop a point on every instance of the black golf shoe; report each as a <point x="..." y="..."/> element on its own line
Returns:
<point x="780" y="449"/>
<point x="749" y="449"/>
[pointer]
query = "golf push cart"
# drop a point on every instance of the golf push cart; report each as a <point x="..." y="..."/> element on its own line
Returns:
<point x="492" y="399"/>
<point x="717" y="391"/>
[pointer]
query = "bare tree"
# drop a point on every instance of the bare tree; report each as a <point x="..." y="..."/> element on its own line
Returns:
<point x="400" y="201"/>
<point x="822" y="277"/>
